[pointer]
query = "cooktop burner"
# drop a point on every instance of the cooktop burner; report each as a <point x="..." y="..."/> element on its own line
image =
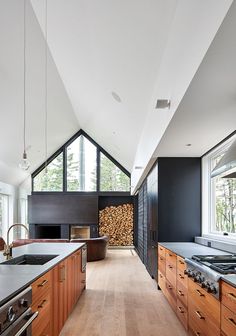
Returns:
<point x="224" y="268"/>
<point x="215" y="258"/>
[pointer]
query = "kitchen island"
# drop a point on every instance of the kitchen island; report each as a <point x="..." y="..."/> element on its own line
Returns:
<point x="56" y="285"/>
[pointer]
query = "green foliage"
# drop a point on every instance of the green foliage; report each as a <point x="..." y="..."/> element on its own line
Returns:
<point x="112" y="178"/>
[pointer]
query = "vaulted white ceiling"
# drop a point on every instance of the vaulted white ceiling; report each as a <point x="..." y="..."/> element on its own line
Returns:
<point x="140" y="50"/>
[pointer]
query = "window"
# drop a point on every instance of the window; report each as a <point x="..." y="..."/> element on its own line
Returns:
<point x="4" y="215"/>
<point x="80" y="172"/>
<point x="219" y="197"/>
<point x="81" y="165"/>
<point x="112" y="178"/>
<point x="51" y="177"/>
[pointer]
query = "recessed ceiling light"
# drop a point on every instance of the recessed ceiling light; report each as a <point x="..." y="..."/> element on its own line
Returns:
<point x="188" y="145"/>
<point x="116" y="96"/>
<point x="138" y="167"/>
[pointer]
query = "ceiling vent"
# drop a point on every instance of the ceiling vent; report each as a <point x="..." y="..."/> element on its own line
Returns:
<point x="162" y="104"/>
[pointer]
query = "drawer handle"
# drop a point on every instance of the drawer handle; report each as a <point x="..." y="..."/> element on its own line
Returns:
<point x="161" y="258"/>
<point x="161" y="276"/>
<point x="199" y="292"/>
<point x="161" y="248"/>
<point x="199" y="315"/>
<point x="83" y="281"/>
<point x="41" y="305"/>
<point x="170" y="287"/>
<point x="180" y="293"/>
<point x="231" y="296"/>
<point x="181" y="276"/>
<point x="170" y="255"/>
<point x="170" y="266"/>
<point x="180" y="310"/>
<point x="197" y="333"/>
<point x="231" y="320"/>
<point x="43" y="283"/>
<point x="181" y="262"/>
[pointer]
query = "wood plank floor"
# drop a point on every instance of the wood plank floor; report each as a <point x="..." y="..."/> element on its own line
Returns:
<point x="121" y="300"/>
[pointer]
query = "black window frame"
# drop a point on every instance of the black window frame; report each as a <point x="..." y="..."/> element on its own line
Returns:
<point x="63" y="149"/>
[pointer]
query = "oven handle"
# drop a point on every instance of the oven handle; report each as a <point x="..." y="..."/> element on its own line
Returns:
<point x="28" y="323"/>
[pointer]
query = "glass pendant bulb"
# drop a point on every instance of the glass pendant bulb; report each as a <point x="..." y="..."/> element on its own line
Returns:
<point x="24" y="164"/>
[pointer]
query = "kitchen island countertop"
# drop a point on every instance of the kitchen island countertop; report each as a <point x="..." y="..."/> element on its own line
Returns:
<point x="15" y="278"/>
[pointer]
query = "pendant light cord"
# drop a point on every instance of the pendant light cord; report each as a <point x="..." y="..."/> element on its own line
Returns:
<point x="24" y="127"/>
<point x="46" y="83"/>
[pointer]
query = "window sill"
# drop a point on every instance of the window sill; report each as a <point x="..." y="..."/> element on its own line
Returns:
<point x="220" y="243"/>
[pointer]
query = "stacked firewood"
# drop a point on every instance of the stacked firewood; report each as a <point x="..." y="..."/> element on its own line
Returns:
<point x="117" y="223"/>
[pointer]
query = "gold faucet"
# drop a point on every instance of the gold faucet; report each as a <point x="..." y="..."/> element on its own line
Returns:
<point x="8" y="247"/>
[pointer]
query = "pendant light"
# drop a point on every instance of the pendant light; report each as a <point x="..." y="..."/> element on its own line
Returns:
<point x="46" y="90"/>
<point x="24" y="164"/>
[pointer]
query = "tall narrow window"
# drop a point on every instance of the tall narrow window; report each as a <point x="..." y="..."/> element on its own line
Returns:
<point x="4" y="215"/>
<point x="51" y="177"/>
<point x="81" y="165"/>
<point x="218" y="197"/>
<point x="112" y="178"/>
<point x="223" y="201"/>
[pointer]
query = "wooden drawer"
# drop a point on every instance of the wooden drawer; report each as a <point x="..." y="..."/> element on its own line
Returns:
<point x="228" y="296"/>
<point x="171" y="294"/>
<point x="228" y="321"/>
<point x="182" y="293"/>
<point x="205" y="302"/>
<point x="182" y="278"/>
<point x="171" y="257"/>
<point x="162" y="264"/>
<point x="181" y="265"/>
<point x="182" y="314"/>
<point x="43" y="319"/>
<point x="171" y="272"/>
<point x="200" y="322"/>
<point x="41" y="286"/>
<point x="162" y="282"/>
<point x="161" y="251"/>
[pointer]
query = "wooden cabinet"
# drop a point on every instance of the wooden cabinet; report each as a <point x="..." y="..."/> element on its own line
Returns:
<point x="203" y="311"/>
<point x="41" y="302"/>
<point x="171" y="267"/>
<point x="228" y="309"/>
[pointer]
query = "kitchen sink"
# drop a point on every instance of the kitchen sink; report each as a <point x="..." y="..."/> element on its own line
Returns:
<point x="30" y="259"/>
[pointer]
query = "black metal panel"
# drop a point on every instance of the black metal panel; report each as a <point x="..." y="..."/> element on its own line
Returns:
<point x="179" y="203"/>
<point x="63" y="209"/>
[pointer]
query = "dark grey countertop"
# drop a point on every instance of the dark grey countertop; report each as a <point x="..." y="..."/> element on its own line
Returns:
<point x="187" y="250"/>
<point x="14" y="278"/>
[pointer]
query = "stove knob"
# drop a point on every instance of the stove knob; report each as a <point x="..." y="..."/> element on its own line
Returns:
<point x="203" y="285"/>
<point x="211" y="289"/>
<point x="23" y="303"/>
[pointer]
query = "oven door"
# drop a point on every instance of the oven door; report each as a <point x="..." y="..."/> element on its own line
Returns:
<point x="22" y="326"/>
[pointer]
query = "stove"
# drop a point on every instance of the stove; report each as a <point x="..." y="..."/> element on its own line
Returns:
<point x="208" y="269"/>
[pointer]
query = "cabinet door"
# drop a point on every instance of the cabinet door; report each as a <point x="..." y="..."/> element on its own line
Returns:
<point x="77" y="275"/>
<point x="71" y="282"/>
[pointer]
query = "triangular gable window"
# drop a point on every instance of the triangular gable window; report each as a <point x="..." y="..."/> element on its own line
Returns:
<point x="81" y="172"/>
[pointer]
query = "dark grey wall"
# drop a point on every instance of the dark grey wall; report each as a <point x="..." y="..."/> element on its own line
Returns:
<point x="179" y="199"/>
<point x="63" y="209"/>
